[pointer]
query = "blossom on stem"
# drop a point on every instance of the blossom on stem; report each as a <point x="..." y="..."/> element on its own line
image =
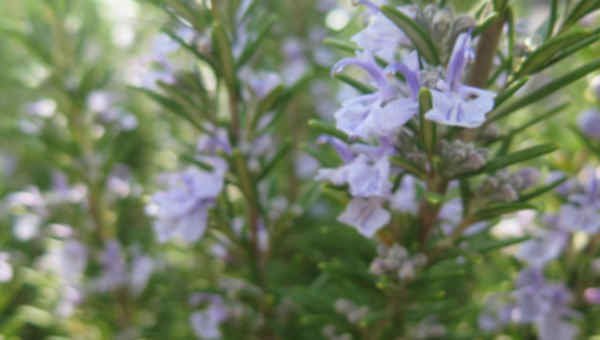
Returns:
<point x="455" y="103"/>
<point x="205" y="323"/>
<point x="382" y="37"/>
<point x="182" y="209"/>
<point x="366" y="215"/>
<point x="377" y="114"/>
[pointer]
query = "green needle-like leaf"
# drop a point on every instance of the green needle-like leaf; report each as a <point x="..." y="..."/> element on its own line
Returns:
<point x="417" y="35"/>
<point x="583" y="8"/>
<point x="360" y="87"/>
<point x="341" y="45"/>
<point x="544" y="91"/>
<point x="540" y="191"/>
<point x="252" y="47"/>
<point x="328" y="130"/>
<point x="501" y="209"/>
<point x="519" y="156"/>
<point x="540" y="57"/>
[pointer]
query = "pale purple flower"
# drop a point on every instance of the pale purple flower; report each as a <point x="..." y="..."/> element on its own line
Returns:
<point x="128" y="122"/>
<point x="162" y="46"/>
<point x="215" y="143"/>
<point x="365" y="178"/>
<point x="583" y="218"/>
<point x="589" y="123"/>
<point x="114" y="270"/>
<point x="142" y="268"/>
<point x="496" y="314"/>
<point x="261" y="83"/>
<point x="119" y="182"/>
<point x="544" y="304"/>
<point x="45" y="108"/>
<point x="305" y="165"/>
<point x="6" y="269"/>
<point x="182" y="209"/>
<point x="72" y="260"/>
<point x="455" y="103"/>
<point x="592" y="296"/>
<point x="366" y="215"/>
<point x="589" y="195"/>
<point x="382" y="37"/>
<point x="27" y="226"/>
<point x="539" y="251"/>
<point x="31" y="198"/>
<point x="8" y="164"/>
<point x="206" y="323"/>
<point x="382" y="113"/>
<point x="553" y="326"/>
<point x="405" y="198"/>
<point x="68" y="261"/>
<point x="595" y="85"/>
<point x="100" y="101"/>
<point x="450" y="216"/>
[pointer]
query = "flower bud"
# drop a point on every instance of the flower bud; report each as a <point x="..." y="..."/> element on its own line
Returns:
<point x="441" y="24"/>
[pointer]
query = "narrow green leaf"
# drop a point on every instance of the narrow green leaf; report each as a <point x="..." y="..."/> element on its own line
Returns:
<point x="417" y="35"/>
<point x="360" y="87"/>
<point x="583" y="8"/>
<point x="486" y="247"/>
<point x="519" y="156"/>
<point x="222" y="47"/>
<point x="281" y="153"/>
<point x="200" y="164"/>
<point x="570" y="50"/>
<point x="407" y="165"/>
<point x="327" y="129"/>
<point x="501" y="209"/>
<point x="286" y="98"/>
<point x="244" y="175"/>
<point x="540" y="191"/>
<point x="324" y="161"/>
<point x="544" y="91"/>
<point x="509" y="92"/>
<point x="428" y="128"/>
<point x="540" y="118"/>
<point x="267" y="104"/>
<point x="465" y="194"/>
<point x="254" y="46"/>
<point x="335" y="194"/>
<point x="171" y="105"/>
<point x="341" y="45"/>
<point x="540" y="57"/>
<point x="586" y="141"/>
<point x="552" y="19"/>
<point x="510" y="20"/>
<point x="191" y="49"/>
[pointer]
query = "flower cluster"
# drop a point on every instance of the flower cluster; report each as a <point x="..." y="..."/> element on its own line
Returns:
<point x="376" y="122"/>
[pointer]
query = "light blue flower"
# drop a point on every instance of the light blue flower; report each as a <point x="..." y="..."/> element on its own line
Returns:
<point x="206" y="323"/>
<point x="366" y="215"/>
<point x="378" y="114"/>
<point x="182" y="209"/>
<point x="382" y="37"/>
<point x="455" y="103"/>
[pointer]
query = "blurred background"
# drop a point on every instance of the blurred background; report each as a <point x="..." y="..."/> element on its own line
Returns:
<point x="82" y="150"/>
